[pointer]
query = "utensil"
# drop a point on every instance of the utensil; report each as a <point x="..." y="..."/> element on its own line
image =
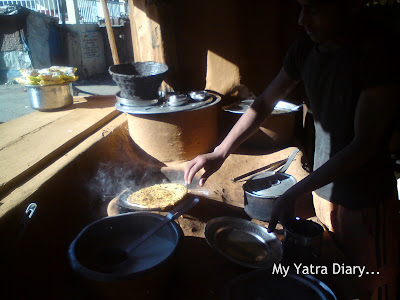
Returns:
<point x="262" y="285"/>
<point x="289" y="161"/>
<point x="272" y="167"/>
<point x="50" y="97"/>
<point x="154" y="256"/>
<point x="112" y="258"/>
<point x="199" y="95"/>
<point x="169" y="175"/>
<point x="302" y="241"/>
<point x="177" y="99"/>
<point x="243" y="242"/>
<point x="261" y="190"/>
<point x="139" y="80"/>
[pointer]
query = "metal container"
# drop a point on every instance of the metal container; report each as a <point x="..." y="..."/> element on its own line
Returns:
<point x="134" y="103"/>
<point x="139" y="80"/>
<point x="199" y="95"/>
<point x="302" y="241"/>
<point x="261" y="191"/>
<point x="263" y="285"/>
<point x="50" y="97"/>
<point x="277" y="130"/>
<point x="177" y="99"/>
<point x="86" y="252"/>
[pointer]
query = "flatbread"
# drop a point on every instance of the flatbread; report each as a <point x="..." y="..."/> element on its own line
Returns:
<point x="159" y="195"/>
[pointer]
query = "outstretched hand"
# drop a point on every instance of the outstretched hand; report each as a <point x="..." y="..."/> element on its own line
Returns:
<point x="282" y="211"/>
<point x="211" y="162"/>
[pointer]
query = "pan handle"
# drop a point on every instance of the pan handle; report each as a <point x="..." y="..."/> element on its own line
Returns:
<point x="288" y="162"/>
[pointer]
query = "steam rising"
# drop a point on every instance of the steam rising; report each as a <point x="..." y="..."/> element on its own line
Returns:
<point x="111" y="179"/>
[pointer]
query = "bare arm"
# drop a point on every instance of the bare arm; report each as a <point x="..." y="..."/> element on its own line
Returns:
<point x="370" y="134"/>
<point x="243" y="129"/>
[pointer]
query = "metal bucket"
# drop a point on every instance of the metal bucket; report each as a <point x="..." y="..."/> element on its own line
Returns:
<point x="50" y="97"/>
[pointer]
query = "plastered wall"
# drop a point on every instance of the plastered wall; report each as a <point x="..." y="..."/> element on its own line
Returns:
<point x="221" y="44"/>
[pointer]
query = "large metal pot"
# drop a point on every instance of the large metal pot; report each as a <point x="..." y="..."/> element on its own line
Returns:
<point x="86" y="251"/>
<point x="50" y="97"/>
<point x="261" y="190"/>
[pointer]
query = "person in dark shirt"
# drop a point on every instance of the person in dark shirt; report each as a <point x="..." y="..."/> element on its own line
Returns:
<point x="351" y="77"/>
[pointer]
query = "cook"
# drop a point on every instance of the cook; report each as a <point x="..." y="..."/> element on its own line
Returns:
<point x="350" y="72"/>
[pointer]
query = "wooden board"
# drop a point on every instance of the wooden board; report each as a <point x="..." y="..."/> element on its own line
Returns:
<point x="30" y="143"/>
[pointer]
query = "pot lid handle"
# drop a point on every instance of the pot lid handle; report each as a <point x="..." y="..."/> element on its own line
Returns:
<point x="289" y="161"/>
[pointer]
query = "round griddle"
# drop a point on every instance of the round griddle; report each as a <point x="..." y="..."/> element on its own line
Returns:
<point x="126" y="205"/>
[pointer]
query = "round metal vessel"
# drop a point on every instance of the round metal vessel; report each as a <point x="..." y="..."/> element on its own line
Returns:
<point x="85" y="252"/>
<point x="263" y="285"/>
<point x="50" y="97"/>
<point x="139" y="80"/>
<point x="261" y="191"/>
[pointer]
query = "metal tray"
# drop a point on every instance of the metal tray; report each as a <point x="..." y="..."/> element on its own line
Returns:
<point x="243" y="242"/>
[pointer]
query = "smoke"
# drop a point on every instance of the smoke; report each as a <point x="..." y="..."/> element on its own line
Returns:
<point x="111" y="179"/>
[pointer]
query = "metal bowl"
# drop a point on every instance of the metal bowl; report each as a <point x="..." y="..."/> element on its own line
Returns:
<point x="50" y="97"/>
<point x="199" y="95"/>
<point x="177" y="100"/>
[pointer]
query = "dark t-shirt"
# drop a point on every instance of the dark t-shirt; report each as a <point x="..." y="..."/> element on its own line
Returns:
<point x="333" y="82"/>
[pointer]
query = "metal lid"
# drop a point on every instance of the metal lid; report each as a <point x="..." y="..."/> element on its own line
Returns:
<point x="269" y="184"/>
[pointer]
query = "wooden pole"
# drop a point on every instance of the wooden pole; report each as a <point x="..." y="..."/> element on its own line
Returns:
<point x="110" y="32"/>
<point x="134" y="32"/>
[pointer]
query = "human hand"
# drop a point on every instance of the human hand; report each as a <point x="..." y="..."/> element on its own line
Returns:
<point x="211" y="162"/>
<point x="282" y="211"/>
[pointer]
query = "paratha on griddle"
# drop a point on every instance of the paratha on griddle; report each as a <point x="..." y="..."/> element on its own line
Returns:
<point x="158" y="195"/>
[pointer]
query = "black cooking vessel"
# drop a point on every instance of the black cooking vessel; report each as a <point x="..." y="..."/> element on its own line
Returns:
<point x="261" y="190"/>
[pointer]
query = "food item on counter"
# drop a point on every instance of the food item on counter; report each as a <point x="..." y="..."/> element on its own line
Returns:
<point x="159" y="195"/>
<point x="48" y="76"/>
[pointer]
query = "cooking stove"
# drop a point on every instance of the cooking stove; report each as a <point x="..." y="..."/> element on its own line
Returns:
<point x="162" y="106"/>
